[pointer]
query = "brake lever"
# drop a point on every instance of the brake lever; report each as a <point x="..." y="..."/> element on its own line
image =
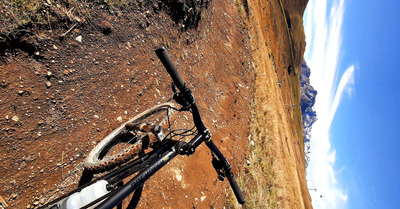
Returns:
<point x="218" y="166"/>
<point x="180" y="98"/>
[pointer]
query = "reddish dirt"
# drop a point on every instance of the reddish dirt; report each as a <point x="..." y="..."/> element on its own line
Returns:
<point x="58" y="102"/>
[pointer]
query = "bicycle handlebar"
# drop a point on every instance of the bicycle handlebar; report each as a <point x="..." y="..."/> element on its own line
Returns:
<point x="236" y="189"/>
<point x="180" y="84"/>
<point x="170" y="66"/>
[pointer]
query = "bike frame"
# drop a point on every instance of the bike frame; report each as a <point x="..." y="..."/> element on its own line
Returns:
<point x="143" y="176"/>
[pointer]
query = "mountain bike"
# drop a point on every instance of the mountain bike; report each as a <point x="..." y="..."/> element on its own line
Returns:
<point x="142" y="146"/>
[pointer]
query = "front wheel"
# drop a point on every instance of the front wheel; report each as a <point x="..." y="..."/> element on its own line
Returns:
<point x="122" y="145"/>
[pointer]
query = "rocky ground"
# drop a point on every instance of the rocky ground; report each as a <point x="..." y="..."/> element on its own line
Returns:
<point x="67" y="85"/>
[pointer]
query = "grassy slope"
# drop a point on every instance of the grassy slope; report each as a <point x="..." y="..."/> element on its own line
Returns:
<point x="262" y="176"/>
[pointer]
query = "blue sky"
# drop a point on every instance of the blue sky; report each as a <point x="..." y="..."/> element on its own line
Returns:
<point x="353" y="50"/>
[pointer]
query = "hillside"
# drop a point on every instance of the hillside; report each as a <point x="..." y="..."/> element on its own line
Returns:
<point x="277" y="157"/>
<point x="72" y="70"/>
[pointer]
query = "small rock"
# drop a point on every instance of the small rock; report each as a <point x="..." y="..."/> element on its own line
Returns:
<point x="4" y="83"/>
<point x="202" y="198"/>
<point x="178" y="177"/>
<point x="66" y="72"/>
<point x="36" y="203"/>
<point x="106" y="27"/>
<point x="37" y="53"/>
<point x="55" y="47"/>
<point x="49" y="74"/>
<point x="15" y="118"/>
<point x="248" y="162"/>
<point x="21" y="92"/>
<point x="96" y="116"/>
<point x="48" y="84"/>
<point x="119" y="119"/>
<point x="79" y="39"/>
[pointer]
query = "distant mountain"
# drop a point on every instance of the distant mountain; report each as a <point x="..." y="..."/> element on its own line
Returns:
<point x="307" y="101"/>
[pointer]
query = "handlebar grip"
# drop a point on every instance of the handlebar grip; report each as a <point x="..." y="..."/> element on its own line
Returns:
<point x="236" y="189"/>
<point x="170" y="66"/>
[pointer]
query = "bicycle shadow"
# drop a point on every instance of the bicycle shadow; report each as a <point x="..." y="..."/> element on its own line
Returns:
<point x="87" y="176"/>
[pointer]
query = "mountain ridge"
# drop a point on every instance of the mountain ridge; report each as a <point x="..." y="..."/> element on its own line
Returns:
<point x="307" y="102"/>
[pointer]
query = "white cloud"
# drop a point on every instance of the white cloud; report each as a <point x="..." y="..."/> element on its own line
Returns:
<point x="345" y="85"/>
<point x="324" y="37"/>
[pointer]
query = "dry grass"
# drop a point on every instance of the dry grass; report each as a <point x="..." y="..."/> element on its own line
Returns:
<point x="16" y="13"/>
<point x="257" y="179"/>
<point x="120" y="4"/>
<point x="22" y="14"/>
<point x="35" y="14"/>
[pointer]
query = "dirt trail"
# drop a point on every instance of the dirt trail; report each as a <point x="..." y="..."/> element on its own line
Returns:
<point x="55" y="107"/>
<point x="57" y="102"/>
